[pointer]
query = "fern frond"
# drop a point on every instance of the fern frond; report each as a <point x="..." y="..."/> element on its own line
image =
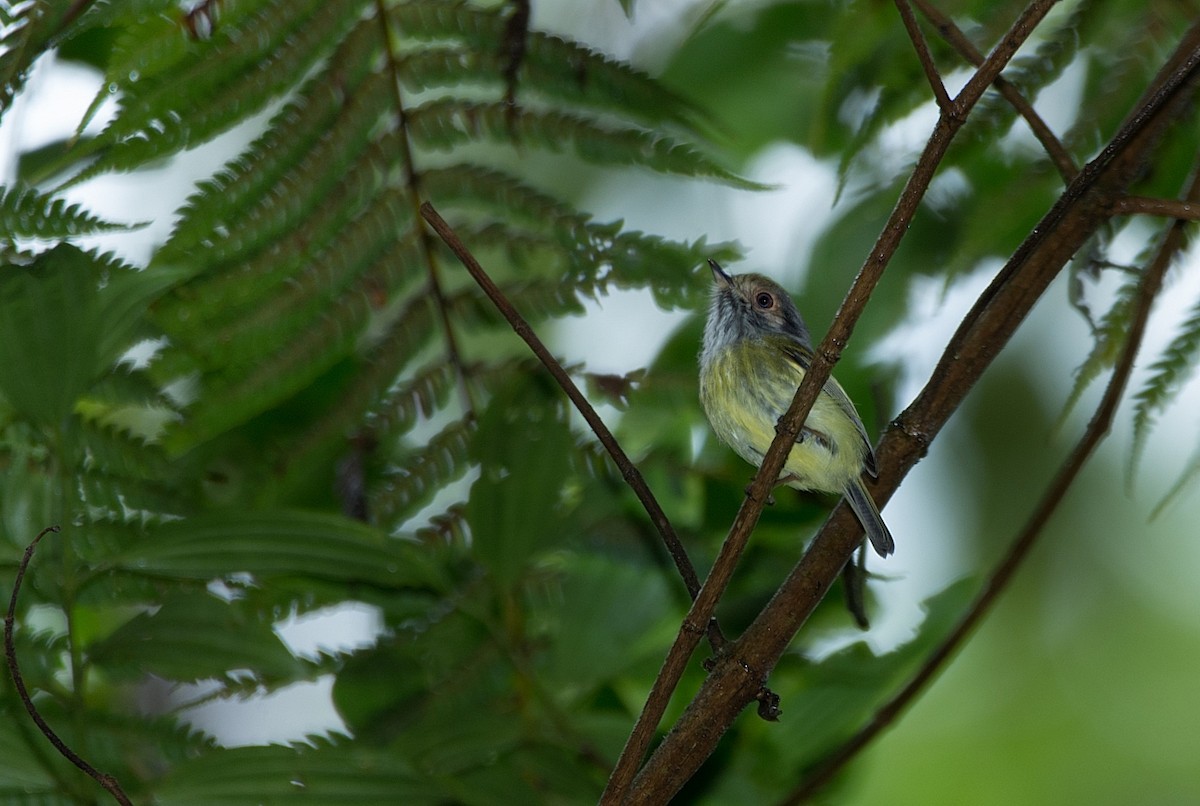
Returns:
<point x="552" y="66"/>
<point x="214" y="296"/>
<point x="476" y="186"/>
<point x="444" y="458"/>
<point x="368" y="257"/>
<point x="1109" y="337"/>
<point x="29" y="213"/>
<point x="1033" y="72"/>
<point x="238" y="73"/>
<point x="1167" y="375"/>
<point x="246" y="390"/>
<point x="1186" y="479"/>
<point x="450" y="527"/>
<point x="22" y="31"/>
<point x="345" y="86"/>
<point x="447" y="123"/>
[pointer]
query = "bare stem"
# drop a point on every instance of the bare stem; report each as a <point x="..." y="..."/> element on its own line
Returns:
<point x="1182" y="209"/>
<point x="10" y="653"/>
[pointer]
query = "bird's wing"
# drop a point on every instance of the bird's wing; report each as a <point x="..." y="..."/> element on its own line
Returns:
<point x="802" y="356"/>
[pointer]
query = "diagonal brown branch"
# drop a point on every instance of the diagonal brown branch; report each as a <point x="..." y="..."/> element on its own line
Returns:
<point x="922" y="47"/>
<point x="1099" y="426"/>
<point x="739" y="672"/>
<point x="629" y="471"/>
<point x="957" y="39"/>
<point x="826" y="356"/>
<point x="10" y="653"/>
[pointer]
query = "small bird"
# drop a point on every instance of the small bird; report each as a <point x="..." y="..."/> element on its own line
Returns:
<point x="756" y="351"/>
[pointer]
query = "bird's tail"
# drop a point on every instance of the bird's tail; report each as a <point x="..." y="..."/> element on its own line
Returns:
<point x="868" y="515"/>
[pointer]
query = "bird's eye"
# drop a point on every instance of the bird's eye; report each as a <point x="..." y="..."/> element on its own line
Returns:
<point x="764" y="300"/>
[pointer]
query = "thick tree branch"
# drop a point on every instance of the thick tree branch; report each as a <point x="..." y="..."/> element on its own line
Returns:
<point x="10" y="653"/>
<point x="629" y="471"/>
<point x="1098" y="428"/>
<point x="739" y="672"/>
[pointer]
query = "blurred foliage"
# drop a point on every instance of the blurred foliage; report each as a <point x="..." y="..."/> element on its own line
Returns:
<point x="330" y="413"/>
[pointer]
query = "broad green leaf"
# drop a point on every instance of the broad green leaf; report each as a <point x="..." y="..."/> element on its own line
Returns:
<point x="604" y="609"/>
<point x="49" y="353"/>
<point x="278" y="543"/>
<point x="523" y="446"/>
<point x="23" y="779"/>
<point x="193" y="636"/>
<point x="308" y="776"/>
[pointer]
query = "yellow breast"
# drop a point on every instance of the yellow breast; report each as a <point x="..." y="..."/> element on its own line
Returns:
<point x="746" y="388"/>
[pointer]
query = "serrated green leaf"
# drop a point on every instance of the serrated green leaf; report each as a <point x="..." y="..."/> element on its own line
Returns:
<point x="278" y="543"/>
<point x="193" y="636"/>
<point x="29" y="213"/>
<point x="447" y="124"/>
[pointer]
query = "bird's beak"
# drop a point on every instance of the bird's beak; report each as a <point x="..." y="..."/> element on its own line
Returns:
<point x="719" y="276"/>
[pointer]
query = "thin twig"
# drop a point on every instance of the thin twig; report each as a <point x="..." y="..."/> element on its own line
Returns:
<point x="1184" y="210"/>
<point x="827" y="354"/>
<point x="1094" y="434"/>
<point x="629" y="471"/>
<point x="923" y="54"/>
<point x="958" y="40"/>
<point x="412" y="183"/>
<point x="10" y="653"/>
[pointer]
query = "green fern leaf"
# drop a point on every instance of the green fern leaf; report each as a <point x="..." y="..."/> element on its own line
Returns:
<point x="448" y="123"/>
<point x="276" y="543"/>
<point x="1109" y="338"/>
<point x="218" y="295"/>
<point x="1167" y="375"/>
<point x="366" y="259"/>
<point x="552" y="68"/>
<point x="238" y="73"/>
<point x="193" y="636"/>
<point x="444" y="458"/>
<point x="345" y="88"/>
<point x="28" y="213"/>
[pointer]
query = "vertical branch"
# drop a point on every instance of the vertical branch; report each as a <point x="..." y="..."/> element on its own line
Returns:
<point x="412" y="183"/>
<point x="10" y="653"/>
